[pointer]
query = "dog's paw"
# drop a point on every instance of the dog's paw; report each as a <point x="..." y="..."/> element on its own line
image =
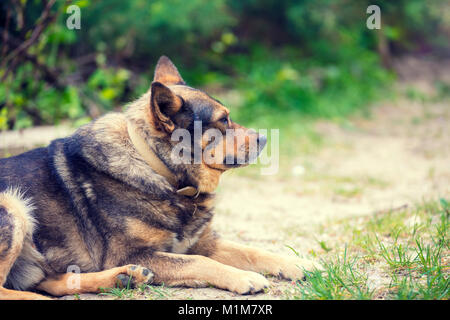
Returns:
<point x="247" y="282"/>
<point x="293" y="268"/>
<point x="135" y="276"/>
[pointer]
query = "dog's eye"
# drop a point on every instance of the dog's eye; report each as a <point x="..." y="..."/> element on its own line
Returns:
<point x="224" y="121"/>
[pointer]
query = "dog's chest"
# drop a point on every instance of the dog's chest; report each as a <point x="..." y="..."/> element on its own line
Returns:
<point x="193" y="230"/>
<point x="183" y="245"/>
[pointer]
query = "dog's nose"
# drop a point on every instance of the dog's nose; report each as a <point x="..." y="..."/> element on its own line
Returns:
<point x="262" y="140"/>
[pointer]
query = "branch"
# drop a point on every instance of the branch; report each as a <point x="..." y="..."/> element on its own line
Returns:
<point x="50" y="75"/>
<point x="42" y="23"/>
<point x="5" y="32"/>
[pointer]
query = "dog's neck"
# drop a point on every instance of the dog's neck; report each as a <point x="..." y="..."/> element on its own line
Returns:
<point x="152" y="159"/>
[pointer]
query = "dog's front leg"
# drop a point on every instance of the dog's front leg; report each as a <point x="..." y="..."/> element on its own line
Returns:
<point x="199" y="271"/>
<point x="257" y="260"/>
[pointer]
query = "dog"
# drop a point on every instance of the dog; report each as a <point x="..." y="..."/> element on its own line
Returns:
<point x="110" y="203"/>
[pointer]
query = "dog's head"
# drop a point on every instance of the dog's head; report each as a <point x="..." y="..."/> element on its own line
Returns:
<point x="196" y="129"/>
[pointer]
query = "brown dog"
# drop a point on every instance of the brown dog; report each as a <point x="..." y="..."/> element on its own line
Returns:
<point x="111" y="201"/>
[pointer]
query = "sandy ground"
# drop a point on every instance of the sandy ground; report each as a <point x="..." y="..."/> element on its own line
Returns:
<point x="383" y="163"/>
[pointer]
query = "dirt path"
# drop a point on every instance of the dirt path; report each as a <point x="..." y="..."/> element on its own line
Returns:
<point x="399" y="157"/>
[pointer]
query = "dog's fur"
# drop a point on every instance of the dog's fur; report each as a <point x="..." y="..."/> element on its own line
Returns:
<point x="90" y="200"/>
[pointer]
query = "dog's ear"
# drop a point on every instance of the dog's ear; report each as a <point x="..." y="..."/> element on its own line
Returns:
<point x="167" y="73"/>
<point x="164" y="104"/>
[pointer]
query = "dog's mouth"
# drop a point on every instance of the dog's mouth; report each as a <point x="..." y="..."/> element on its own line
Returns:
<point x="232" y="162"/>
<point x="221" y="170"/>
<point x="222" y="167"/>
<point x="241" y="158"/>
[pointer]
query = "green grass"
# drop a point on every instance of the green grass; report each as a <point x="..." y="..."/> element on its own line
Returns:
<point x="118" y="292"/>
<point x="406" y="251"/>
<point x="340" y="280"/>
<point x="143" y="291"/>
<point x="156" y="292"/>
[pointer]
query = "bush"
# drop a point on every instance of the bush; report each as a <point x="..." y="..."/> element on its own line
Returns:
<point x="308" y="57"/>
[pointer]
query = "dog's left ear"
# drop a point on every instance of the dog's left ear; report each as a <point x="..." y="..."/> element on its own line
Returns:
<point x="167" y="73"/>
<point x="164" y="104"/>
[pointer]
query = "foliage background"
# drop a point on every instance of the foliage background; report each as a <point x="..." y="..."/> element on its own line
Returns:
<point x="266" y="59"/>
